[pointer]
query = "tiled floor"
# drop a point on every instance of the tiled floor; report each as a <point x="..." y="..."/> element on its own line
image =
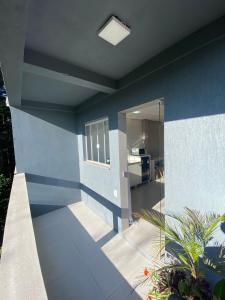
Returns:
<point x="148" y="196"/>
<point x="82" y="258"/>
<point x="146" y="237"/>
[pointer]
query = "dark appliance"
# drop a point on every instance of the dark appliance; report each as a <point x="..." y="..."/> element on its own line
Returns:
<point x="145" y="167"/>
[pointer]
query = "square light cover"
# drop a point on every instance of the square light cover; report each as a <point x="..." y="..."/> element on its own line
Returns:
<point x="114" y="31"/>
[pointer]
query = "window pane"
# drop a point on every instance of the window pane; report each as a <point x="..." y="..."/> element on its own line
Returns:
<point x="97" y="141"/>
<point x="88" y="145"/>
<point x="94" y="133"/>
<point x="101" y="139"/>
<point x="107" y="155"/>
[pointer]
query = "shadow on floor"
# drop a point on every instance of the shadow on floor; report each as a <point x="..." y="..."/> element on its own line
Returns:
<point x="72" y="262"/>
<point x="146" y="197"/>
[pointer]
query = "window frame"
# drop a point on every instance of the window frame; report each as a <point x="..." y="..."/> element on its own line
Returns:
<point x="92" y="161"/>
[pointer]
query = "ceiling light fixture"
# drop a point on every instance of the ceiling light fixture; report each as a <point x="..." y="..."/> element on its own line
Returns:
<point x="136" y="112"/>
<point x="114" y="31"/>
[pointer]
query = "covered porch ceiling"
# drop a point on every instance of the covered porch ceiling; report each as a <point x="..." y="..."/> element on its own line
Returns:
<point x="66" y="62"/>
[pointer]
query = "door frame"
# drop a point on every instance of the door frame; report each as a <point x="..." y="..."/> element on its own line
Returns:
<point x="125" y="192"/>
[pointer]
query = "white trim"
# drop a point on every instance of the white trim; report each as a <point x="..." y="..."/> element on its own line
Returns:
<point x="91" y="143"/>
<point x="104" y="146"/>
<point x="89" y="124"/>
<point x="97" y="146"/>
<point x="86" y="149"/>
<point x="97" y="164"/>
<point x="97" y="121"/>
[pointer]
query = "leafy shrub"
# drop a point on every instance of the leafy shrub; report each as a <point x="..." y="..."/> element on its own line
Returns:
<point x="5" y="186"/>
<point x="188" y="236"/>
<point x="194" y="288"/>
<point x="180" y="283"/>
<point x="175" y="278"/>
<point x="219" y="290"/>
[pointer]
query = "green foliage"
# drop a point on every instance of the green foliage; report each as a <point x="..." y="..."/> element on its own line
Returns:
<point x="7" y="160"/>
<point x="184" y="288"/>
<point x="188" y="235"/>
<point x="180" y="283"/>
<point x="219" y="290"/>
<point x="159" y="296"/>
<point x="5" y="184"/>
<point x="200" y="289"/>
<point x="160" y="285"/>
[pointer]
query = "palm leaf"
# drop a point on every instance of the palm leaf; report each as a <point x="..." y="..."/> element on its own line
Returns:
<point x="212" y="227"/>
<point x="157" y="219"/>
<point x="191" y="232"/>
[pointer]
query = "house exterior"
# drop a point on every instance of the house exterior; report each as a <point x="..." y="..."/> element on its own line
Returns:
<point x="60" y="77"/>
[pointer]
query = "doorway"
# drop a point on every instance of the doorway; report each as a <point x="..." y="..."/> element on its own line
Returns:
<point x="145" y="157"/>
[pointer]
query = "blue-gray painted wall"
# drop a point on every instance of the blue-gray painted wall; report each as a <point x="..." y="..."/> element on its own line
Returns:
<point x="193" y="89"/>
<point x="46" y="150"/>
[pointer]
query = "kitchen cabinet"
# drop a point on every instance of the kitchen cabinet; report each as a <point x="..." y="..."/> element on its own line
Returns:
<point x="139" y="169"/>
<point x="135" y="173"/>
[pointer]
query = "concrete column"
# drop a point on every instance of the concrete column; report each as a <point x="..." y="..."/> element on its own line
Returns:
<point x="123" y="173"/>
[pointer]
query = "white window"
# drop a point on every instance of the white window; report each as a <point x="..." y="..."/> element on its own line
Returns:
<point x="97" y="141"/>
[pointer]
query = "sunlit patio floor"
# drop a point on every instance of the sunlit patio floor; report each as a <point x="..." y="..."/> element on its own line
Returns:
<point x="83" y="258"/>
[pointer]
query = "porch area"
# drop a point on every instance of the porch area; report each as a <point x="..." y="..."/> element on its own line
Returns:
<point x="71" y="253"/>
<point x="103" y="131"/>
<point x="81" y="257"/>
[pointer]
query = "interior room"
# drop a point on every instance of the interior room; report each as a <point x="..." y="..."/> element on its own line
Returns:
<point x="145" y="156"/>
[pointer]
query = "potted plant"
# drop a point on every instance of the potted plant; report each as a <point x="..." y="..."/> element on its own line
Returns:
<point x="186" y="237"/>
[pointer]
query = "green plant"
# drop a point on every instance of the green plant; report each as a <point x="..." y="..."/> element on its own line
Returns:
<point x="160" y="285"/>
<point x="177" y="281"/>
<point x="219" y="290"/>
<point x="200" y="289"/>
<point x="187" y="236"/>
<point x="181" y="283"/>
<point x="5" y="186"/>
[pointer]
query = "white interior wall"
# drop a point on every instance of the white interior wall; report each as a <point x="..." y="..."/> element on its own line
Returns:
<point x="134" y="134"/>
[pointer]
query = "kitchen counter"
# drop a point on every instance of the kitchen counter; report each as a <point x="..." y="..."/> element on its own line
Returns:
<point x="133" y="163"/>
<point x="137" y="174"/>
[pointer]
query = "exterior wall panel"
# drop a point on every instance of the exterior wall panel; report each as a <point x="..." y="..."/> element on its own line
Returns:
<point x="193" y="89"/>
<point x="46" y="150"/>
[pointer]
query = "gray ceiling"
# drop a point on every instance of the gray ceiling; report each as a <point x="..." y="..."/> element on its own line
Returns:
<point x="67" y="30"/>
<point x="43" y="89"/>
